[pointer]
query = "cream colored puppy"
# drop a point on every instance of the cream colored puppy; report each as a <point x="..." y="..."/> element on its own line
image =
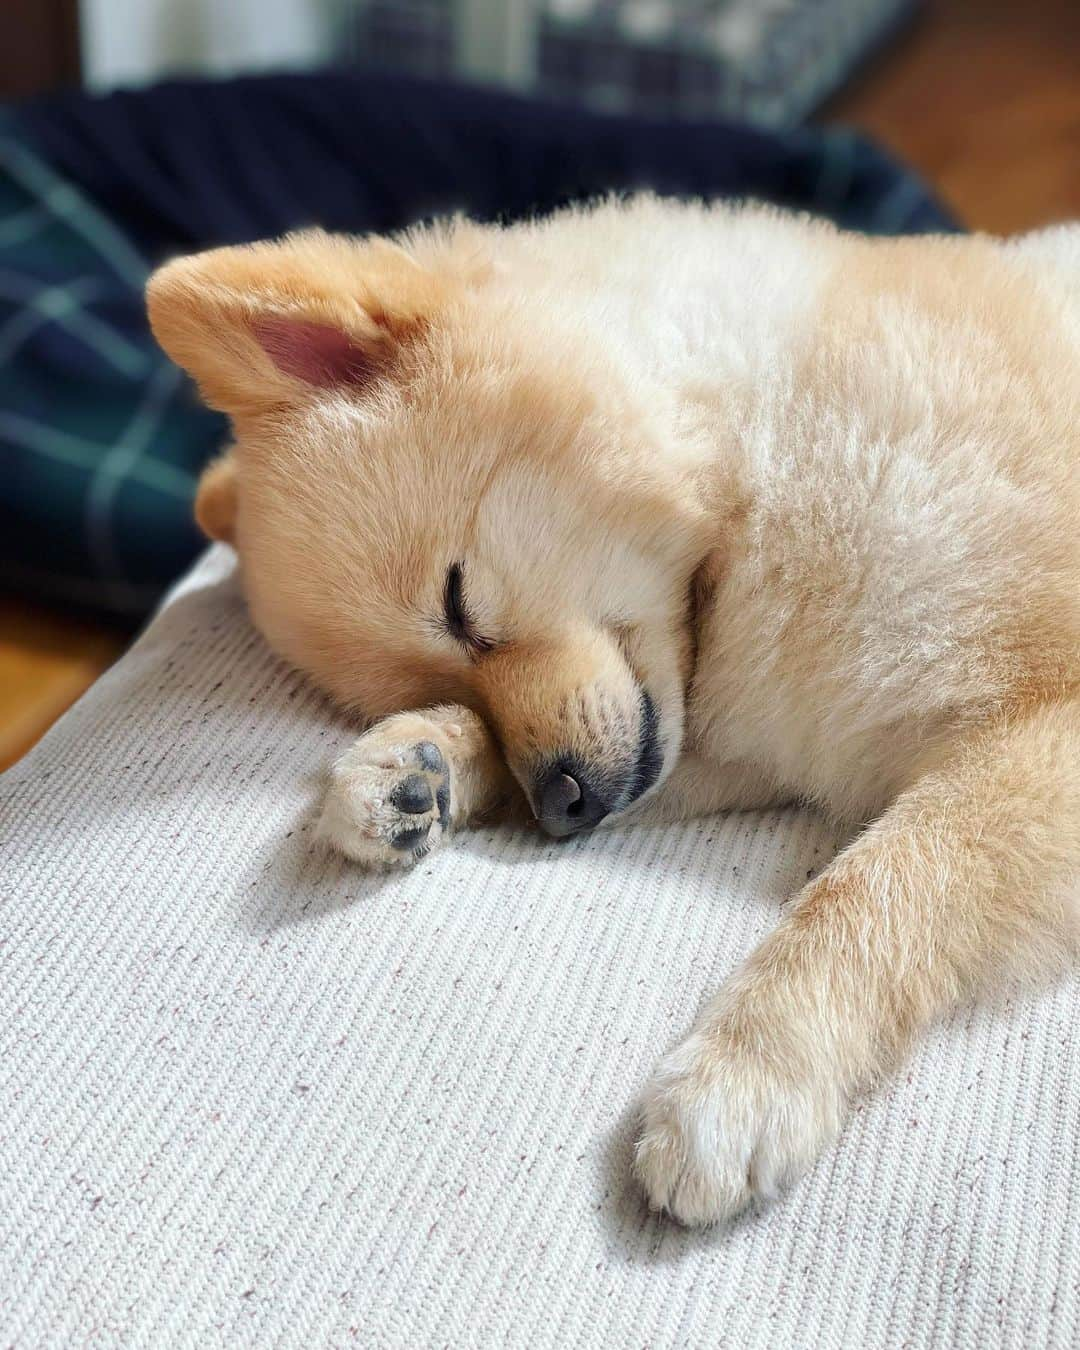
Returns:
<point x="703" y="507"/>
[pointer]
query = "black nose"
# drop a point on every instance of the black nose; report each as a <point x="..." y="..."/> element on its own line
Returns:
<point x="566" y="801"/>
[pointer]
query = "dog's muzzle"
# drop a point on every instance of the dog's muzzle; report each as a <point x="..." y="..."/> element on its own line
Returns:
<point x="569" y="795"/>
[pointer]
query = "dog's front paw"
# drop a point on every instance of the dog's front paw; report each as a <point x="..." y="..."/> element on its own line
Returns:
<point x="720" y="1128"/>
<point x="389" y="800"/>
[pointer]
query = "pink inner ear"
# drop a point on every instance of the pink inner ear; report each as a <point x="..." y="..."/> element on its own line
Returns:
<point x="313" y="352"/>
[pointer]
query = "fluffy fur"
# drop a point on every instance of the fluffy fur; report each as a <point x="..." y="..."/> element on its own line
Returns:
<point x="818" y="495"/>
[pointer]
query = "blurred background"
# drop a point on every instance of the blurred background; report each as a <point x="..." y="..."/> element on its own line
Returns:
<point x="131" y="130"/>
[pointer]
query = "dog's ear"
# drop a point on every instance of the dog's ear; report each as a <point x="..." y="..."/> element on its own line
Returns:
<point x="215" y="500"/>
<point x="262" y="324"/>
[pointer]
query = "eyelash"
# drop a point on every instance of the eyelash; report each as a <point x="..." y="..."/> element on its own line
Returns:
<point x="456" y="616"/>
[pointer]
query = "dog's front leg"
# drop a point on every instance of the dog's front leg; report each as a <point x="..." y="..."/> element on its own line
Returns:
<point x="971" y="874"/>
<point x="398" y="791"/>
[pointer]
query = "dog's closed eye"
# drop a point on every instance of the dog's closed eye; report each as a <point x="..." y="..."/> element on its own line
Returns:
<point x="456" y="615"/>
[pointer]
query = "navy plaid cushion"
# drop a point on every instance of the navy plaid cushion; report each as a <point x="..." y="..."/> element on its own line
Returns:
<point x="101" y="438"/>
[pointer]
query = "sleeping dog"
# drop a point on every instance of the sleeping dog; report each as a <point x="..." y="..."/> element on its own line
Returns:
<point x="674" y="509"/>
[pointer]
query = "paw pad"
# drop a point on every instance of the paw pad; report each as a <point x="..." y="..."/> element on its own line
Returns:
<point x="408" y="841"/>
<point x="389" y="800"/>
<point x="430" y="757"/>
<point x="413" y="795"/>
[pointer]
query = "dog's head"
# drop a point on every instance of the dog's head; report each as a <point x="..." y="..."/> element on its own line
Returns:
<point x="445" y="489"/>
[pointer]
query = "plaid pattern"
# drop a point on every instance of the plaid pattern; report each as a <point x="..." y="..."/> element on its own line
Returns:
<point x="100" y="436"/>
<point x="768" y="61"/>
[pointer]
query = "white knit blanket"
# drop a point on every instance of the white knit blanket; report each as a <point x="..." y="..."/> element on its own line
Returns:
<point x="251" y="1096"/>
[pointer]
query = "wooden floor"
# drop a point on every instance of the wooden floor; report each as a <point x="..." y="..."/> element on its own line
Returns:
<point x="982" y="96"/>
<point x="47" y="659"/>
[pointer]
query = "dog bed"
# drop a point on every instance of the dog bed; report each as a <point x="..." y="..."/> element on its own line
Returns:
<point x="100" y="438"/>
<point x="252" y="1095"/>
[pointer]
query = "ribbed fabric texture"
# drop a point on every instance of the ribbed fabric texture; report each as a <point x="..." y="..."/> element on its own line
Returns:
<point x="252" y="1096"/>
